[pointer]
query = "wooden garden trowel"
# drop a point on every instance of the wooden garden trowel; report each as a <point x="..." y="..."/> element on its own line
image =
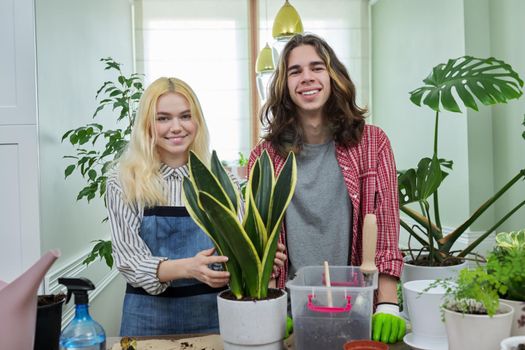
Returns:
<point x="368" y="266"/>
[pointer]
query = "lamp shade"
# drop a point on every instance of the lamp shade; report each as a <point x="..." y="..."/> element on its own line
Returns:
<point x="287" y="22"/>
<point x="265" y="61"/>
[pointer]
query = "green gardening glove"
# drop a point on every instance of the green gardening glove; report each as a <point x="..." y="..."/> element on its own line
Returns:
<point x="387" y="326"/>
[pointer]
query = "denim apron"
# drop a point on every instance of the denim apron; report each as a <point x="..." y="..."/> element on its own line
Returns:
<point x="188" y="305"/>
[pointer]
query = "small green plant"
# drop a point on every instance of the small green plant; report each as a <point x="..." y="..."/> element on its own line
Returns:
<point x="96" y="148"/>
<point x="474" y="292"/>
<point x="507" y="263"/>
<point x="213" y="202"/>
<point x="243" y="161"/>
<point x="489" y="81"/>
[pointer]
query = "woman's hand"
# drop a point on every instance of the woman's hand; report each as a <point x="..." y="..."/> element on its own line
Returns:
<point x="198" y="268"/>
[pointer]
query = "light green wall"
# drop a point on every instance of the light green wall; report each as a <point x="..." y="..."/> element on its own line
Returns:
<point x="72" y="36"/>
<point x="508" y="43"/>
<point x="409" y="37"/>
<point x="479" y="123"/>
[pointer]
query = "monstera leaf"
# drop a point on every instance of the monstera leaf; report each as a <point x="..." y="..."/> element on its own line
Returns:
<point x="489" y="80"/>
<point x="418" y="184"/>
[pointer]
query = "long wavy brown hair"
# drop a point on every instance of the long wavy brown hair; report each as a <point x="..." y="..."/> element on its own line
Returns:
<point x="279" y="114"/>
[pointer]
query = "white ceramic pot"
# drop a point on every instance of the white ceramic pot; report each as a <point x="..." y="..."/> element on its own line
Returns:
<point x="424" y="308"/>
<point x="480" y="332"/>
<point x="414" y="273"/>
<point x="512" y="342"/>
<point x="518" y="323"/>
<point x="253" y="325"/>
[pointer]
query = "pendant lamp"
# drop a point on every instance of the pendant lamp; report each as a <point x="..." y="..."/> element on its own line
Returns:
<point x="286" y="23"/>
<point x="264" y="67"/>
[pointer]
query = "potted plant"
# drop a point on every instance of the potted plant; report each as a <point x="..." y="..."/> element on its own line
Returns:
<point x="506" y="263"/>
<point x="250" y="314"/>
<point x="474" y="317"/>
<point x="48" y="321"/>
<point x="96" y="148"/>
<point x="489" y="81"/>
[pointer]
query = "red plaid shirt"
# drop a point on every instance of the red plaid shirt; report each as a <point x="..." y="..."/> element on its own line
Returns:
<point x="369" y="173"/>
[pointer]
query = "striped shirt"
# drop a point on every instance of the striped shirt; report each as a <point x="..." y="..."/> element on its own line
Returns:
<point x="369" y="173"/>
<point x="132" y="256"/>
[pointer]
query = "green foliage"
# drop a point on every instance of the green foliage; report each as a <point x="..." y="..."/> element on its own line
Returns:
<point x="102" y="250"/>
<point x="243" y="161"/>
<point x="96" y="148"/>
<point x="489" y="81"/>
<point x="213" y="203"/>
<point x="506" y="263"/>
<point x="474" y="292"/>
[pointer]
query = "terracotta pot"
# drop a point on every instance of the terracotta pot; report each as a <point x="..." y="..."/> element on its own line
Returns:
<point x="365" y="345"/>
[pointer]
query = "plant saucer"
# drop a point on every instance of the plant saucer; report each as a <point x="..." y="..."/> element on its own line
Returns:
<point x="425" y="343"/>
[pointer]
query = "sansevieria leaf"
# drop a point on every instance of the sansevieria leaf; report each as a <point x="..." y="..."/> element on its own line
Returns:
<point x="201" y="219"/>
<point x="205" y="181"/>
<point x="227" y="224"/>
<point x="251" y="247"/>
<point x="225" y="180"/>
<point x="283" y="192"/>
<point x="489" y="81"/>
<point x="263" y="195"/>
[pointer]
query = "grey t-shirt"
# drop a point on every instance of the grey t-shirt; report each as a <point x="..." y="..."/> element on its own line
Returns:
<point x="319" y="217"/>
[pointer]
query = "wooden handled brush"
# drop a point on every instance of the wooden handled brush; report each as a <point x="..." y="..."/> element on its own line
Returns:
<point x="368" y="266"/>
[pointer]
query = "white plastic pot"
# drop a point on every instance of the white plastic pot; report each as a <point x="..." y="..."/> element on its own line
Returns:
<point x="415" y="272"/>
<point x="480" y="332"/>
<point x="518" y="323"/>
<point x="512" y="342"/>
<point x="254" y="325"/>
<point x="424" y="306"/>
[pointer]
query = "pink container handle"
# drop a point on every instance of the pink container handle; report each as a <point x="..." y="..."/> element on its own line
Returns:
<point x="328" y="309"/>
<point x="353" y="283"/>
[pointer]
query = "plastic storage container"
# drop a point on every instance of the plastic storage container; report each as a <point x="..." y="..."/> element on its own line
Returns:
<point x="320" y="326"/>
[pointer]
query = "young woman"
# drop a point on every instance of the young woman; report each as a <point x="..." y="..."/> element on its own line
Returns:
<point x="172" y="273"/>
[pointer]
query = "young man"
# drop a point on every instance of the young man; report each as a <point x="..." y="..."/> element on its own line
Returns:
<point x="346" y="169"/>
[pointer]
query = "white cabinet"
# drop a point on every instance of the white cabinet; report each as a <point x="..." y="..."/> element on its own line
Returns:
<point x="19" y="198"/>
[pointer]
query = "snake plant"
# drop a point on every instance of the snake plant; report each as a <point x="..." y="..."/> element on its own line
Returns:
<point x="489" y="81"/>
<point x="250" y="243"/>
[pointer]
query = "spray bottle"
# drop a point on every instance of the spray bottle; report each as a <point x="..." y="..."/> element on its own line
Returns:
<point x="82" y="333"/>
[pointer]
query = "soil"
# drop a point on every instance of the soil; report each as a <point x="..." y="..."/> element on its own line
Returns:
<point x="423" y="261"/>
<point x="521" y="346"/>
<point x="272" y="294"/>
<point x="50" y="299"/>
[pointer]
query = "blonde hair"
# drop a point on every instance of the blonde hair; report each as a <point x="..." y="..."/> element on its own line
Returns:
<point x="139" y="166"/>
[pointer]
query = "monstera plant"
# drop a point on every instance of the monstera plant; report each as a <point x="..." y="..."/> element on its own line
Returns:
<point x="250" y="243"/>
<point x="489" y="81"/>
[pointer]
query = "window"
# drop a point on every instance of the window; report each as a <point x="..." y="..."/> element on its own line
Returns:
<point x="205" y="43"/>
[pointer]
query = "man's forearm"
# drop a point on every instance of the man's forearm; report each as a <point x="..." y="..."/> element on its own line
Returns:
<point x="387" y="290"/>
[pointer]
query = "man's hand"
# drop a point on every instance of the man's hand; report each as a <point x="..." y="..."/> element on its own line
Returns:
<point x="280" y="259"/>
<point x="387" y="325"/>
